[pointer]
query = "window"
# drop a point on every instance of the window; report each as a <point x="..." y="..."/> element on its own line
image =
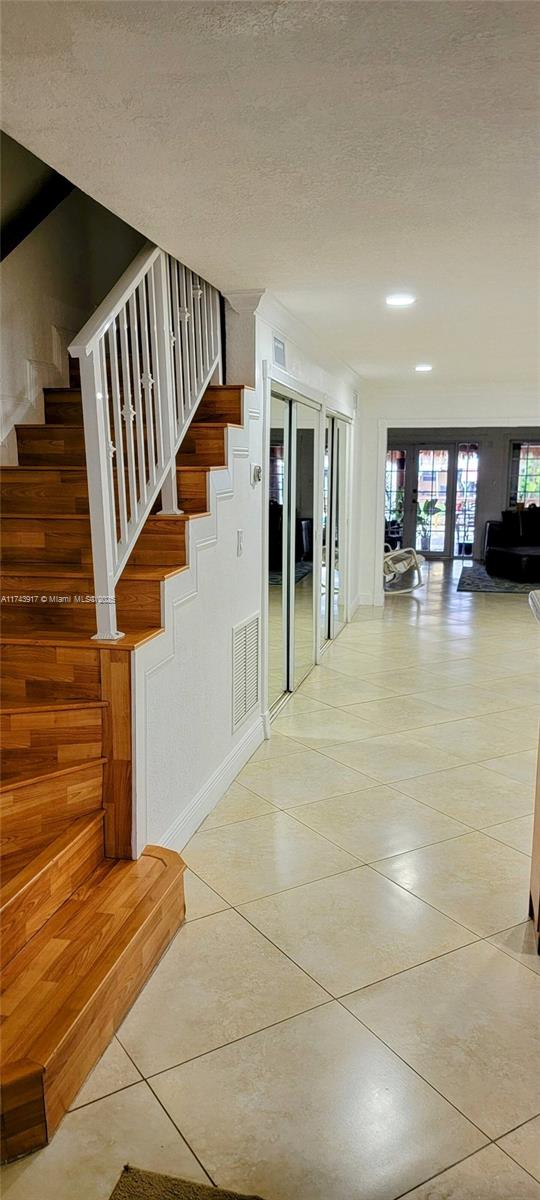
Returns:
<point x="525" y="473"/>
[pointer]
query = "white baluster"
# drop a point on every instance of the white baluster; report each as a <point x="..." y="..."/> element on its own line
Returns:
<point x="97" y="437"/>
<point x="169" y="497"/>
<point x="137" y="397"/>
<point x="117" y="425"/>
<point x="147" y="383"/>
<point x="183" y="313"/>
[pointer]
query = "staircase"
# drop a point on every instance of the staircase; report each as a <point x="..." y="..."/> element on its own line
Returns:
<point x="83" y="923"/>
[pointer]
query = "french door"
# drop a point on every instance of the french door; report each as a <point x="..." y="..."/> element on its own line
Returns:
<point x="430" y="498"/>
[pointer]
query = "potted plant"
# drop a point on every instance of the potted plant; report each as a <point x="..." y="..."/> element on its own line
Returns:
<point x="424" y="518"/>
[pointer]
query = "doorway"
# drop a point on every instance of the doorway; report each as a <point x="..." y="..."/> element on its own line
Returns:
<point x="293" y="460"/>
<point x="333" y="529"/>
<point x="430" y="498"/>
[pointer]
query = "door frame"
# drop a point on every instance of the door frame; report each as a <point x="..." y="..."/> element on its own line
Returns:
<point x="275" y="379"/>
<point x="376" y="575"/>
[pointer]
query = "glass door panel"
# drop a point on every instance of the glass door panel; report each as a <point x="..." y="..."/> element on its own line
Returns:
<point x="394" y="498"/>
<point x="305" y="425"/>
<point x="465" y="506"/>
<point x="278" y="542"/>
<point x="430" y="501"/>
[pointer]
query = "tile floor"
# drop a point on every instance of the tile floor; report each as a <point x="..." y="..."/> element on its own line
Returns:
<point x="352" y="1011"/>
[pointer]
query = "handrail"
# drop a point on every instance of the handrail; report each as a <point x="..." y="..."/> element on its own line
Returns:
<point x="109" y="308"/>
<point x="146" y="357"/>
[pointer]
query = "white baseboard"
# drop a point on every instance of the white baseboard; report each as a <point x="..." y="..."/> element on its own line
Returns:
<point x="214" y="789"/>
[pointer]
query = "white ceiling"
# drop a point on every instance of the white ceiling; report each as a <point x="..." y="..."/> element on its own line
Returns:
<point x="331" y="152"/>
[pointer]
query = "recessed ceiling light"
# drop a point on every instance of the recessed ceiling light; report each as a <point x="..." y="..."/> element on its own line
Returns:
<point x="400" y="300"/>
<point x="423" y="367"/>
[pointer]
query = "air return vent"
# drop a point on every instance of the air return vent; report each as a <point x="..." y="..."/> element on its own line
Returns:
<point x="245" y="672"/>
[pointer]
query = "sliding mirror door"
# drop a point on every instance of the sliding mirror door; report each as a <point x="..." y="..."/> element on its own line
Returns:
<point x="278" y="551"/>
<point x="339" y="525"/>
<point x="305" y="427"/>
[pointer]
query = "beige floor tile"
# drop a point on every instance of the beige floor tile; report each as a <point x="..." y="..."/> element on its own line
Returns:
<point x="275" y="747"/>
<point x="467" y="700"/>
<point x="345" y="686"/>
<point x="220" y="980"/>
<point x="471" y="794"/>
<point x="391" y="757"/>
<point x="352" y="929"/>
<point x="266" y="855"/>
<point x="323" y="728"/>
<point x="298" y="703"/>
<point x="524" y="721"/>
<point x="311" y="1110"/>
<point x="377" y="823"/>
<point x="519" y="689"/>
<point x="392" y="715"/>
<point x="200" y="899"/>
<point x="517" y="833"/>
<point x="521" y="943"/>
<point x="301" y="779"/>
<point x="238" y="804"/>
<point x="89" y="1150"/>
<point x="114" y="1071"/>
<point x="521" y="767"/>
<point x="523" y="1145"/>
<point x="487" y="1175"/>
<point x="478" y="882"/>
<point x="468" y="1023"/>
<point x="353" y="662"/>
<point x="475" y="738"/>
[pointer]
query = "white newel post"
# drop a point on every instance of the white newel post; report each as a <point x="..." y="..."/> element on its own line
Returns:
<point x="99" y="466"/>
<point x="164" y="337"/>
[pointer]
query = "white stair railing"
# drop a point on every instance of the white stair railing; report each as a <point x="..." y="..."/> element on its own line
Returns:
<point x="146" y="357"/>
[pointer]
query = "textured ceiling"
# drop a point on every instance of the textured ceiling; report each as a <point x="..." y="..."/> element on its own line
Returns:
<point x="328" y="151"/>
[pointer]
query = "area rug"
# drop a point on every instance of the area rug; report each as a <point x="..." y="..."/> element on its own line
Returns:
<point x="146" y="1185"/>
<point x="474" y="578"/>
<point x="301" y="570"/>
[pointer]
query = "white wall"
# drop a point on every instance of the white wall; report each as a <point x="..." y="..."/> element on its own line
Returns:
<point x="50" y="284"/>
<point x="185" y="752"/>
<point x="419" y="405"/>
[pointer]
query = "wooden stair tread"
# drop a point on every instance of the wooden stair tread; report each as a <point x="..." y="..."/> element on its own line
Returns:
<point x="68" y="989"/>
<point x="57" y="773"/>
<point x="35" y="893"/>
<point x="67" y="638"/>
<point x="18" y="881"/>
<point x="49" y="706"/>
<point x="10" y="781"/>
<point x="62" y="570"/>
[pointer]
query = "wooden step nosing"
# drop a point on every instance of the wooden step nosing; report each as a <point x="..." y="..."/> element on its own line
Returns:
<point x="72" y="769"/>
<point x="53" y="706"/>
<point x="134" y="638"/>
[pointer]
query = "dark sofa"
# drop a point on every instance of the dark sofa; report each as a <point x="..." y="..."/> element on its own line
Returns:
<point x="512" y="546"/>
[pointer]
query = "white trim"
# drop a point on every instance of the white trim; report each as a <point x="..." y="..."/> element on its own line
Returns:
<point x="266" y="409"/>
<point x="178" y="589"/>
<point x="212" y="791"/>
